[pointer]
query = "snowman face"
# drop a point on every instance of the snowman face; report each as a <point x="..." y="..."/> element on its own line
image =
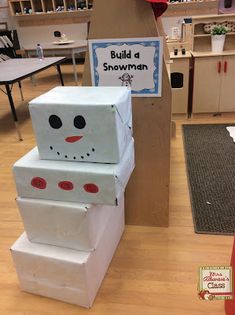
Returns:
<point x="79" y="123"/>
<point x="64" y="133"/>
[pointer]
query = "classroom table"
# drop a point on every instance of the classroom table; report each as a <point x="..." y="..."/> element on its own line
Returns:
<point x="60" y="49"/>
<point x="16" y="70"/>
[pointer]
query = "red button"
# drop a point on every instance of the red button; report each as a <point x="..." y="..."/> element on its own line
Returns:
<point x="39" y="183"/>
<point x="91" y="188"/>
<point x="66" y="185"/>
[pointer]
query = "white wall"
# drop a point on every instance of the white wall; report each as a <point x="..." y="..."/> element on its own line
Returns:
<point x="5" y="16"/>
<point x="169" y="22"/>
<point x="41" y="34"/>
<point x="45" y="33"/>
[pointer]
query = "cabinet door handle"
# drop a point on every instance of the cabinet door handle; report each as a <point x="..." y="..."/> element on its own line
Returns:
<point x="225" y="66"/>
<point x="219" y="66"/>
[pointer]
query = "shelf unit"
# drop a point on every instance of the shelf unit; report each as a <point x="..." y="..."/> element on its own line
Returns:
<point x="202" y="41"/>
<point x="36" y="7"/>
<point x="192" y="8"/>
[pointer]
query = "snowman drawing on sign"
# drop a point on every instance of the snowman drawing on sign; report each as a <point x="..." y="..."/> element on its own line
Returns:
<point x="126" y="79"/>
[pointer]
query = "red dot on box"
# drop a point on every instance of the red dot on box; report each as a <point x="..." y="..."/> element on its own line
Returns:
<point x="91" y="188"/>
<point x="39" y="183"/>
<point x="66" y="185"/>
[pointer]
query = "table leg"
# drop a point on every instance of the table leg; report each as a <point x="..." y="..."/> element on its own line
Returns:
<point x="13" y="111"/>
<point x="32" y="77"/>
<point x="21" y="93"/>
<point x="74" y="67"/>
<point x="60" y="74"/>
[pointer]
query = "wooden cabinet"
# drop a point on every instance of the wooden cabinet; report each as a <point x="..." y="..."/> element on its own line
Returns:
<point x="214" y="78"/>
<point x="214" y="73"/>
<point x="227" y="96"/>
<point x="33" y="7"/>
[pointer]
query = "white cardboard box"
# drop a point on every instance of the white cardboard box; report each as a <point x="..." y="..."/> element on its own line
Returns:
<point x="66" y="224"/>
<point x="91" y="124"/>
<point x="68" y="181"/>
<point x="65" y="274"/>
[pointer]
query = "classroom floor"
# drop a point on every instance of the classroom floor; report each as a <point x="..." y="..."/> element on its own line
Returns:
<point x="154" y="270"/>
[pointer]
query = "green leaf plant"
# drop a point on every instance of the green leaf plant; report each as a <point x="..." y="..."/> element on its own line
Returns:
<point x="219" y="30"/>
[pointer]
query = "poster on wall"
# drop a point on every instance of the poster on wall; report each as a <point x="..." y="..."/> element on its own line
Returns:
<point x="135" y="63"/>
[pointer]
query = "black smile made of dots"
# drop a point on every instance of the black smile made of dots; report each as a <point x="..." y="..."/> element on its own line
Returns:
<point x="74" y="157"/>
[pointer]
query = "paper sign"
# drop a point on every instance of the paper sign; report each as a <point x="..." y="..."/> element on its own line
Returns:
<point x="135" y="63"/>
<point x="215" y="283"/>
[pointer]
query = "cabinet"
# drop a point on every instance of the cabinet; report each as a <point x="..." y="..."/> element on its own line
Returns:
<point x="214" y="78"/>
<point x="227" y="92"/>
<point x="214" y="74"/>
<point x="33" y="7"/>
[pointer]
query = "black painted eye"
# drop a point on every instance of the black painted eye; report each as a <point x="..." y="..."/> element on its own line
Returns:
<point x="55" y="122"/>
<point x="79" y="122"/>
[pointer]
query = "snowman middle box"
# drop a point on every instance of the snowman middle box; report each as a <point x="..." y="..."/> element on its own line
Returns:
<point x="77" y="182"/>
<point x="92" y="124"/>
<point x="66" y="224"/>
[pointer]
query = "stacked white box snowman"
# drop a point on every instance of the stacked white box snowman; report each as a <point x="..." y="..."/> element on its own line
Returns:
<point x="70" y="191"/>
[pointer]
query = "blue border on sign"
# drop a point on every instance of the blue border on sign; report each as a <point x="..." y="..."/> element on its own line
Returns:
<point x="156" y="44"/>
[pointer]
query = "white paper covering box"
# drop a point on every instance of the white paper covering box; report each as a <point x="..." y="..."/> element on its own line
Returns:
<point x="83" y="123"/>
<point x="68" y="181"/>
<point x="66" y="224"/>
<point x="66" y="274"/>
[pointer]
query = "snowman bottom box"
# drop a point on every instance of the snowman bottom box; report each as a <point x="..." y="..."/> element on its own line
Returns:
<point x="73" y="181"/>
<point x="66" y="224"/>
<point x="65" y="274"/>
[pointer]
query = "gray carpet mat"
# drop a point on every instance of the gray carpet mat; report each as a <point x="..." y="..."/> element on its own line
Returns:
<point x="210" y="159"/>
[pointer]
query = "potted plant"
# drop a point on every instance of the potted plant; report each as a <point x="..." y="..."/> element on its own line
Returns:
<point x="218" y="33"/>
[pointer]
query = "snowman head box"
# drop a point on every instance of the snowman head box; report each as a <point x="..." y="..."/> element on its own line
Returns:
<point x="83" y="123"/>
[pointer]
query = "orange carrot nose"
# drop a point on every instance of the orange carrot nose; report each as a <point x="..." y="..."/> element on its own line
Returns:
<point x="73" y="139"/>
